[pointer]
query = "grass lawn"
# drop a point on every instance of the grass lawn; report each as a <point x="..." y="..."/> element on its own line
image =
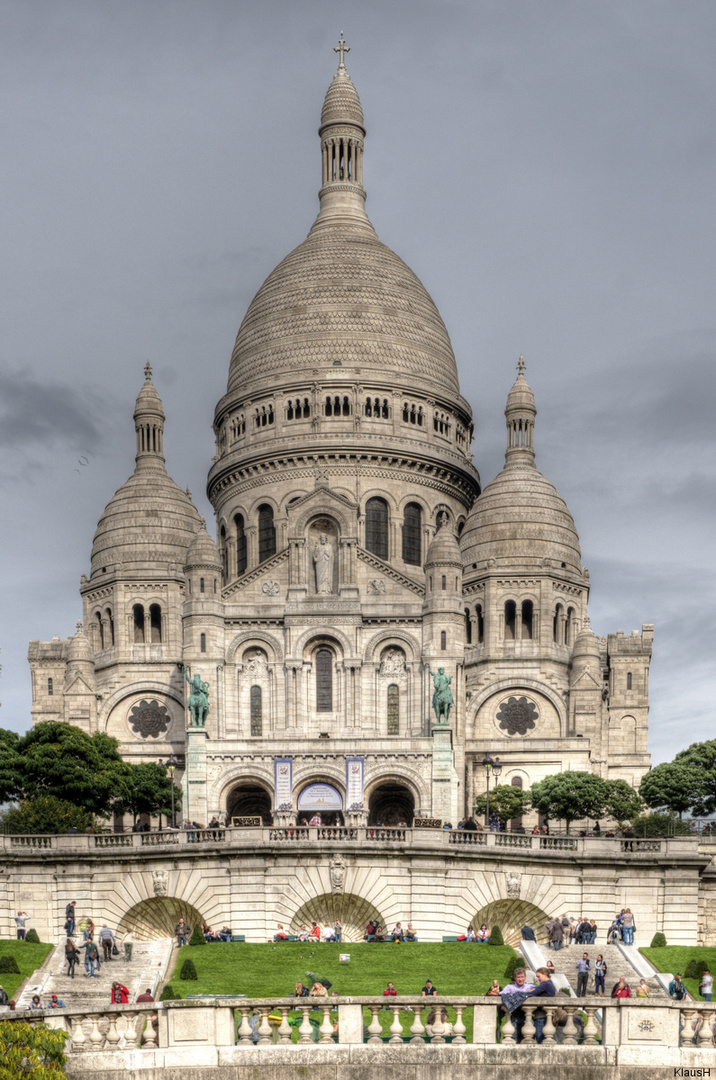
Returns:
<point x="674" y="958"/>
<point x="28" y="956"/>
<point x="273" y="971"/>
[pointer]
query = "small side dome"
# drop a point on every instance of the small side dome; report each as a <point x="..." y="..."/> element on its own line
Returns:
<point x="444" y="549"/>
<point x="79" y="647"/>
<point x="586" y="644"/>
<point x="203" y="552"/>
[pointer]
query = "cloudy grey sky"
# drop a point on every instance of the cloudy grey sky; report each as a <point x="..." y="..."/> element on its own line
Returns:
<point x="547" y="169"/>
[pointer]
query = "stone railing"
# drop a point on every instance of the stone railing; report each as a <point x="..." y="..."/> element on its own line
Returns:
<point x="369" y="835"/>
<point x="479" y="1021"/>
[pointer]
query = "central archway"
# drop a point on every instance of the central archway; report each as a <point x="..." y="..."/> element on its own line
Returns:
<point x="353" y="911"/>
<point x="511" y="916"/>
<point x="156" y="918"/>
<point x="249" y="800"/>
<point x="391" y="803"/>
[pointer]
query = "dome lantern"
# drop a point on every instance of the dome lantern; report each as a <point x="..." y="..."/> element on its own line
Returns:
<point x="342" y="132"/>
<point x="520" y="413"/>
<point x="149" y="424"/>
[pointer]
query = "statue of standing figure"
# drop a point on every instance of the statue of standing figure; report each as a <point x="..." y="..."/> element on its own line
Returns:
<point x="323" y="562"/>
<point x="198" y="700"/>
<point x="442" y="696"/>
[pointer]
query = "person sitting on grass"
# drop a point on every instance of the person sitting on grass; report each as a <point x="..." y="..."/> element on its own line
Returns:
<point x="303" y="932"/>
<point x="470" y="935"/>
<point x="301" y="990"/>
<point x="369" y="931"/>
<point x="483" y="935"/>
<point x="315" y="934"/>
<point x="329" y="933"/>
<point x="280" y="934"/>
<point x="494" y="990"/>
<point x="225" y="934"/>
<point x="428" y="990"/>
<point x="379" y="933"/>
<point x="390" y="991"/>
<point x="398" y="932"/>
<point x="318" y="990"/>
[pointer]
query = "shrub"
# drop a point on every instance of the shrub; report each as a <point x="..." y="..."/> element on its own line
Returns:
<point x="197" y="938"/>
<point x="8" y="965"/>
<point x="514" y="962"/>
<point x="695" y="969"/>
<point x="169" y="993"/>
<point x="31" y="935"/>
<point x="496" y="936"/>
<point x="658" y="941"/>
<point x="188" y="971"/>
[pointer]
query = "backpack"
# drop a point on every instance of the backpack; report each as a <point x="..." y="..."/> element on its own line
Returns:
<point x="677" y="990"/>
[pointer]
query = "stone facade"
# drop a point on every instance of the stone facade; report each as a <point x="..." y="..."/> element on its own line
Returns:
<point x="355" y="556"/>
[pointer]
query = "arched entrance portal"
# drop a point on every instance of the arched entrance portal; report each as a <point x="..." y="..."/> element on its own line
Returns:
<point x="156" y="918"/>
<point x="511" y="916"/>
<point x="249" y="800"/>
<point x="390" y="804"/>
<point x="353" y="911"/>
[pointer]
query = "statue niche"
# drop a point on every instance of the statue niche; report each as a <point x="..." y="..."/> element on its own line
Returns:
<point x="323" y="557"/>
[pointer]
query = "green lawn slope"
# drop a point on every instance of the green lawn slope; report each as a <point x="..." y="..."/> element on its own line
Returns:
<point x="673" y="958"/>
<point x="29" y="957"/>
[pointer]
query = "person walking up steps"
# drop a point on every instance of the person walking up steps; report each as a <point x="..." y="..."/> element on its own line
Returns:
<point x="583" y="968"/>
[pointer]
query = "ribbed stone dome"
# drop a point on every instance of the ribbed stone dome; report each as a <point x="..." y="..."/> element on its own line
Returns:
<point x="518" y="518"/>
<point x="444" y="548"/>
<point x="148" y="522"/>
<point x="343" y="296"/>
<point x="202" y="550"/>
<point x="342" y="104"/>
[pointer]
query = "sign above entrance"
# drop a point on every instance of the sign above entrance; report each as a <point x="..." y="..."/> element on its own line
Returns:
<point x="320" y="797"/>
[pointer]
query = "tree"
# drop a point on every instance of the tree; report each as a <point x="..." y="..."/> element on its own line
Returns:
<point x="8" y="764"/>
<point x="45" y="814"/>
<point x="569" y="796"/>
<point x="31" y="1051"/>
<point x="62" y="760"/>
<point x="658" y="824"/>
<point x="506" y="801"/>
<point x="701" y="758"/>
<point x="673" y="785"/>
<point x="623" y="802"/>
<point x="145" y="789"/>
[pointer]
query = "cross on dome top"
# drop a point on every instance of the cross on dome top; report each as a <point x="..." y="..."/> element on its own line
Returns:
<point x="521" y="365"/>
<point x="148" y="371"/>
<point x="341" y="48"/>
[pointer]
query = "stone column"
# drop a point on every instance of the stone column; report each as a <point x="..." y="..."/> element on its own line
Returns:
<point x="194" y="804"/>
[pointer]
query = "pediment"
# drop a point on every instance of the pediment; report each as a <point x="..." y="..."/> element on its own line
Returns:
<point x="78" y="686"/>
<point x="378" y="578"/>
<point x="586" y="681"/>
<point x="322" y="500"/>
<point x="269" y="580"/>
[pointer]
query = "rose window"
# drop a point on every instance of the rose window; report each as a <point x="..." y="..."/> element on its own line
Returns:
<point x="149" y="718"/>
<point x="517" y="715"/>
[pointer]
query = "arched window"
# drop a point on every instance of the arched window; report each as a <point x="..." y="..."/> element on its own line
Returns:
<point x="201" y="585"/>
<point x="444" y="583"/>
<point x="628" y="680"/>
<point x="257" y="721"/>
<point x="516" y="782"/>
<point x="155" y="623"/>
<point x="510" y="618"/>
<point x="412" y="527"/>
<point x="50" y="688"/>
<point x="267" y="533"/>
<point x="468" y="627"/>
<point x="324" y="680"/>
<point x="138" y="619"/>
<point x="443" y="641"/>
<point x="240" y="545"/>
<point x="110" y="626"/>
<point x="202" y="643"/>
<point x="569" y="627"/>
<point x="376" y="527"/>
<point x="557" y="625"/>
<point x="480" y="624"/>
<point x="100" y="629"/>
<point x="393" y="710"/>
<point x="527" y="616"/>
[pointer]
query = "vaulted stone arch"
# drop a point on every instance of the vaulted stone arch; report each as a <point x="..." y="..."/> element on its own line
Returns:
<point x="511" y="916"/>
<point x="353" y="911"/>
<point x="255" y="637"/>
<point x="389" y="637"/>
<point x="156" y="918"/>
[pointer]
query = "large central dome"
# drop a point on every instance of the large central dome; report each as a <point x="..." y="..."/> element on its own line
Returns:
<point x="342" y="298"/>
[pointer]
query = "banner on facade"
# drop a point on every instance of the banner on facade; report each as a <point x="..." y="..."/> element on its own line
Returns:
<point x="320" y="797"/>
<point x="354" y="783"/>
<point x="283" y="783"/>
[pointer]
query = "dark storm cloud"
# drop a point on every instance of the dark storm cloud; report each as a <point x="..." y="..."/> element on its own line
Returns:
<point x="46" y="415"/>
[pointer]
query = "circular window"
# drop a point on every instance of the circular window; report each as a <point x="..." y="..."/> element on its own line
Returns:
<point x="149" y="719"/>
<point x="517" y="715"/>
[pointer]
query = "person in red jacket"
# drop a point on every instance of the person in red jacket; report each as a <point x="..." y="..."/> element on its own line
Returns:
<point x="621" y="989"/>
<point x="120" y="994"/>
<point x="390" y="991"/>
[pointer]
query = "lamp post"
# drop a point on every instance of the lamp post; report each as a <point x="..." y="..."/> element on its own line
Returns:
<point x="171" y="764"/>
<point x="495" y="767"/>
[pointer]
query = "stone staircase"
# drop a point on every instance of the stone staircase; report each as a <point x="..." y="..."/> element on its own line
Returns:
<point x="147" y="968"/>
<point x="565" y="960"/>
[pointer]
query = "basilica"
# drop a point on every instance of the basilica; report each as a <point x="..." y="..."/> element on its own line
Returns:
<point x="368" y="623"/>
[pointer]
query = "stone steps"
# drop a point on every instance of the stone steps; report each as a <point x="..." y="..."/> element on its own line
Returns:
<point x="145" y="969"/>
<point x="565" y="959"/>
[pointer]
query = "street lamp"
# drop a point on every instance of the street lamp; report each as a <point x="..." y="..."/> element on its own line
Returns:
<point x="494" y="767"/>
<point x="171" y="764"/>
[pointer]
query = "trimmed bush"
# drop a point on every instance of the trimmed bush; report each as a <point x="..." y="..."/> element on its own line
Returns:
<point x="496" y="936"/>
<point x="31" y="935"/>
<point x="658" y="942"/>
<point x="188" y="971"/>
<point x="514" y="962"/>
<point x="197" y="938"/>
<point x="169" y="993"/>
<point x="8" y="965"/>
<point x="695" y="969"/>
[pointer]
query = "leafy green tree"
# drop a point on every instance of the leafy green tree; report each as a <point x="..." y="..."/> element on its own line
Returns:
<point x="45" y="814"/>
<point x="62" y="760"/>
<point x="9" y="764"/>
<point x="31" y="1051"/>
<point x="701" y="758"/>
<point x="623" y="802"/>
<point x="569" y="796"/>
<point x="673" y="785"/>
<point x="506" y="801"/>
<point x="145" y="789"/>
<point x="660" y="824"/>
